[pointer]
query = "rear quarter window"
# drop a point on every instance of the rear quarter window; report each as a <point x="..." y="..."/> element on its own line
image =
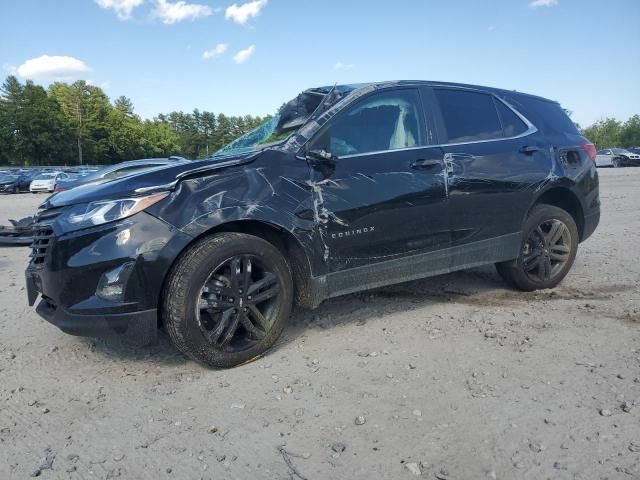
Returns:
<point x="512" y="124"/>
<point x="548" y="116"/>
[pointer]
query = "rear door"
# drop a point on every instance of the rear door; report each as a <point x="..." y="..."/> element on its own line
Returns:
<point x="495" y="159"/>
<point x="384" y="197"/>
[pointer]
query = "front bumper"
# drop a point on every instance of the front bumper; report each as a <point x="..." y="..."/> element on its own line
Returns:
<point x="140" y="327"/>
<point x="630" y="162"/>
<point x="67" y="277"/>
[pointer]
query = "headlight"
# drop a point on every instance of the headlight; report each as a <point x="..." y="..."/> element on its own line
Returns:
<point x="105" y="211"/>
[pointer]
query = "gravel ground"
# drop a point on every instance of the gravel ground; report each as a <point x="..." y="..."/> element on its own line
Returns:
<point x="454" y="377"/>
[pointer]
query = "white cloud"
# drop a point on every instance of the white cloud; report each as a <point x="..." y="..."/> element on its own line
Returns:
<point x="123" y="8"/>
<point x="543" y="3"/>
<point x="106" y="85"/>
<point x="171" y="13"/>
<point x="10" y="69"/>
<point x="244" y="55"/>
<point x="52" y="67"/>
<point x="344" y="66"/>
<point x="215" y="52"/>
<point x="241" y="13"/>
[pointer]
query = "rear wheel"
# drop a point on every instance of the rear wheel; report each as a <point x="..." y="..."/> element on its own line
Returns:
<point x="227" y="299"/>
<point x="547" y="252"/>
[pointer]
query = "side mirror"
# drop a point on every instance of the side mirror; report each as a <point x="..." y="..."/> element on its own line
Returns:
<point x="321" y="156"/>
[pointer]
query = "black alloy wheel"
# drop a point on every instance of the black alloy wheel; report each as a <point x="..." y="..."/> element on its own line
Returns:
<point x="547" y="250"/>
<point x="235" y="303"/>
<point x="549" y="245"/>
<point x="227" y="299"/>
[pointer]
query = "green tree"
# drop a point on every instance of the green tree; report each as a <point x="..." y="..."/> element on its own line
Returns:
<point x="86" y="108"/>
<point x="76" y="123"/>
<point x="32" y="127"/>
<point x="159" y="140"/>
<point x="604" y="133"/>
<point x="630" y="134"/>
<point x="11" y="94"/>
<point x="43" y="137"/>
<point x="125" y="105"/>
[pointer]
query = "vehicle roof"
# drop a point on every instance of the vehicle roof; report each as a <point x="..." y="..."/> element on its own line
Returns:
<point x="430" y="83"/>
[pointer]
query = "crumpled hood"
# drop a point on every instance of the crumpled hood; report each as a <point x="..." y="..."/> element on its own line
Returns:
<point x="156" y="180"/>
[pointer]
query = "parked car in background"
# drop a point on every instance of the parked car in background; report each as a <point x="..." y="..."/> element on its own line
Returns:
<point x="635" y="150"/>
<point x="46" y="181"/>
<point x="14" y="183"/>
<point x="617" y="157"/>
<point x="346" y="188"/>
<point x="117" y="171"/>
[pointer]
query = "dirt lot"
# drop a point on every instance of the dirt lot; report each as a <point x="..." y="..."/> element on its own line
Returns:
<point x="455" y="377"/>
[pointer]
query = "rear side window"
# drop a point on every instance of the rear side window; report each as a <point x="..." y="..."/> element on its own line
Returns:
<point x="468" y="116"/>
<point x="511" y="123"/>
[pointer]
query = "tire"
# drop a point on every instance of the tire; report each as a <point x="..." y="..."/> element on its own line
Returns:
<point x="617" y="163"/>
<point x="203" y="300"/>
<point x="15" y="190"/>
<point x="539" y="244"/>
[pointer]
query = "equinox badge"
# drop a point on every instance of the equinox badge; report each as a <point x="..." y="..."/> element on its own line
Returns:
<point x="353" y="233"/>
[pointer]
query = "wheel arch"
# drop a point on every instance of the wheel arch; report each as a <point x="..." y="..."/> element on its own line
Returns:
<point x="564" y="198"/>
<point x="281" y="238"/>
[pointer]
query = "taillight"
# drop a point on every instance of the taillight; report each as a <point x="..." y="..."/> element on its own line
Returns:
<point x="590" y="148"/>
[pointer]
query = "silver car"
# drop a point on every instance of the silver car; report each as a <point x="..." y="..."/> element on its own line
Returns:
<point x="616" y="157"/>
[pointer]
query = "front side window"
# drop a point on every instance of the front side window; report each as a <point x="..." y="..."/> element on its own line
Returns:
<point x="384" y="121"/>
<point x="468" y="116"/>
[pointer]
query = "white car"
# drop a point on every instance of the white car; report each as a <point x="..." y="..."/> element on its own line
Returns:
<point x="616" y="157"/>
<point x="46" y="181"/>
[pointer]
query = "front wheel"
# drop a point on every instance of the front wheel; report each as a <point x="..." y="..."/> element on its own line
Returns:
<point x="227" y="299"/>
<point x="548" y="249"/>
<point x="617" y="163"/>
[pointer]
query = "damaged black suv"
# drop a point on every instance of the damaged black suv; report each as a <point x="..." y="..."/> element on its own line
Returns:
<point x="346" y="188"/>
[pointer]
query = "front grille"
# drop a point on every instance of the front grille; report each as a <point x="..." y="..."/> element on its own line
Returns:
<point x="43" y="234"/>
<point x="41" y="239"/>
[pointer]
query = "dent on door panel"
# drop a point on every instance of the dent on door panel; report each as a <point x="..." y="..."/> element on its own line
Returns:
<point x="491" y="187"/>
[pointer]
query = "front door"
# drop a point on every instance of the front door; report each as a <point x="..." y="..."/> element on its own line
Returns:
<point x="384" y="196"/>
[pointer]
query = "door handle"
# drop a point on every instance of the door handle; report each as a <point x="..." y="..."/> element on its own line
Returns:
<point x="422" y="163"/>
<point x="528" y="149"/>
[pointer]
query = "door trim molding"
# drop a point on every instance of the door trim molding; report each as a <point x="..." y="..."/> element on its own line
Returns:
<point x="413" y="267"/>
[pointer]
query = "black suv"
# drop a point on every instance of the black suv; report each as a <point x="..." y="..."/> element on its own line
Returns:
<point x="346" y="188"/>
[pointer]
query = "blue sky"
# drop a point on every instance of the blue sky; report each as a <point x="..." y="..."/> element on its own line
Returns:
<point x="583" y="53"/>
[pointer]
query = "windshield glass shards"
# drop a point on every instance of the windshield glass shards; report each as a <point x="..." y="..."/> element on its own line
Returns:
<point x="289" y="118"/>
